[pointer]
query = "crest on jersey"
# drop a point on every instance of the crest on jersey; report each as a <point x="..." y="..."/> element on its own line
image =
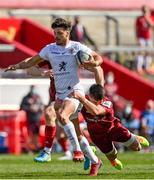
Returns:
<point x="107" y="104"/>
<point x="62" y="66"/>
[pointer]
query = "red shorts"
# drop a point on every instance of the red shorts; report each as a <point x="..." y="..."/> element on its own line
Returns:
<point x="103" y="137"/>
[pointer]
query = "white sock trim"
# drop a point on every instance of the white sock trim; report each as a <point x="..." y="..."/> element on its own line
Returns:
<point x="130" y="140"/>
<point x="48" y="150"/>
<point x="114" y="150"/>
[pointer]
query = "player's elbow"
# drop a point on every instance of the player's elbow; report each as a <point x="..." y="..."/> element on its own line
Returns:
<point x="99" y="61"/>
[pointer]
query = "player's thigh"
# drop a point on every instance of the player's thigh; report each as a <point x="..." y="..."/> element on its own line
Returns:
<point x="120" y="134"/>
<point x="67" y="108"/>
<point x="102" y="142"/>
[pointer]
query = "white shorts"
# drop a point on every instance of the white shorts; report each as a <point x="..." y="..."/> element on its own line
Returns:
<point x="76" y="102"/>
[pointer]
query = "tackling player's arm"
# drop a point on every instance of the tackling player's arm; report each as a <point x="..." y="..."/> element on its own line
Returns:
<point x="92" y="108"/>
<point x="27" y="63"/>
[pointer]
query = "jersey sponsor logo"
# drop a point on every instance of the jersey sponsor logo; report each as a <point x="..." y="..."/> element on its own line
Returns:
<point x="67" y="52"/>
<point x="107" y="104"/>
<point x="54" y="52"/>
<point x="62" y="66"/>
<point x="60" y="74"/>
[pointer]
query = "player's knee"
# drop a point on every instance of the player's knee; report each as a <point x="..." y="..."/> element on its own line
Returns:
<point x="49" y="115"/>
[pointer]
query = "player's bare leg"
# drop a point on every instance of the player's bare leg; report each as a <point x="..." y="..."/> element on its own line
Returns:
<point x="67" y="108"/>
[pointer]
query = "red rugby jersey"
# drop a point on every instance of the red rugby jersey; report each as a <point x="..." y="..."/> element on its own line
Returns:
<point x="143" y="28"/>
<point x="106" y="120"/>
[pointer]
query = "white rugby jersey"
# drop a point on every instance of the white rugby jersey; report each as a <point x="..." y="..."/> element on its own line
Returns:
<point x="64" y="64"/>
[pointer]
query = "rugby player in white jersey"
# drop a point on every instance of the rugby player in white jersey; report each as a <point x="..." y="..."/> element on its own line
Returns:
<point x="50" y="127"/>
<point x="61" y="55"/>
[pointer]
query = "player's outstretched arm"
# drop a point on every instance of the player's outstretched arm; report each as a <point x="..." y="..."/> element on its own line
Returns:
<point x="27" y="63"/>
<point x="36" y="71"/>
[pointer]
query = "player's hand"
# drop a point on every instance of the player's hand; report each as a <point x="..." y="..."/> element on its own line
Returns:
<point x="76" y="95"/>
<point x="90" y="64"/>
<point x="91" y="69"/>
<point x="47" y="73"/>
<point x="12" y="68"/>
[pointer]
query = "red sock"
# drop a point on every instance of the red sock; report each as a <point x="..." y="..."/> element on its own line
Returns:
<point x="64" y="144"/>
<point x="50" y="133"/>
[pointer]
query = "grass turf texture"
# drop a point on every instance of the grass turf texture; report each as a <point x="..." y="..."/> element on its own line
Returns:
<point x="136" y="166"/>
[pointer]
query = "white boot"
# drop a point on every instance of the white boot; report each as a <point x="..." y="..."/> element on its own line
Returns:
<point x="68" y="156"/>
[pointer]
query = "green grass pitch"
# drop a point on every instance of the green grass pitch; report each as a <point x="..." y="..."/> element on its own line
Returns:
<point x="136" y="166"/>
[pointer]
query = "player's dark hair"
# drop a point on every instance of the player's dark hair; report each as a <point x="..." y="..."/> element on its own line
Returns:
<point x="97" y="92"/>
<point x="60" y="22"/>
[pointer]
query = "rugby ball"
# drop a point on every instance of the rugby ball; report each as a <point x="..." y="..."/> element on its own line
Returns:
<point x="82" y="56"/>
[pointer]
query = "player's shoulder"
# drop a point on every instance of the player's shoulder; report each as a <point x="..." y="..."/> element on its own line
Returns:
<point x="52" y="47"/>
<point x="48" y="46"/>
<point x="83" y="47"/>
<point x="139" y="18"/>
<point x="75" y="44"/>
<point x="107" y="103"/>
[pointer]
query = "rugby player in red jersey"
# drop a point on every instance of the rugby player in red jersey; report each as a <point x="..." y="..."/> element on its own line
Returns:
<point x="144" y="26"/>
<point x="50" y="124"/>
<point x="104" y="128"/>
